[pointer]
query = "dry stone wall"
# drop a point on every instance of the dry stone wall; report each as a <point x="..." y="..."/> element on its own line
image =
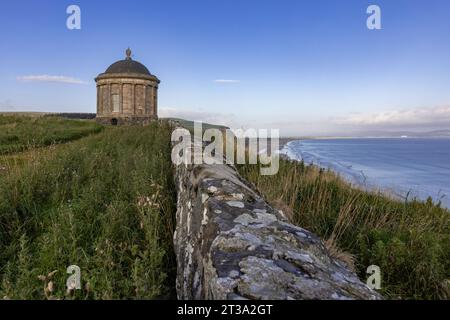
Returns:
<point x="231" y="244"/>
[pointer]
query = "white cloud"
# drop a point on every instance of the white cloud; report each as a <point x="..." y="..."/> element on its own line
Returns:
<point x="226" y="81"/>
<point x="50" y="78"/>
<point x="413" y="118"/>
<point x="423" y="119"/>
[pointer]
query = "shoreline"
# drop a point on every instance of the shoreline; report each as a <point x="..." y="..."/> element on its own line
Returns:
<point x="358" y="179"/>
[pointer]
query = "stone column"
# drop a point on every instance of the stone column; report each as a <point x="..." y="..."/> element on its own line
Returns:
<point x="99" y="94"/>
<point x="133" y="98"/>
<point x="121" y="98"/>
<point x="144" y="101"/>
<point x="152" y="100"/>
<point x="148" y="102"/>
<point x="155" y="100"/>
<point x="110" y="107"/>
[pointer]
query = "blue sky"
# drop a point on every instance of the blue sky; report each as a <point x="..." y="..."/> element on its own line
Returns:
<point x="306" y="67"/>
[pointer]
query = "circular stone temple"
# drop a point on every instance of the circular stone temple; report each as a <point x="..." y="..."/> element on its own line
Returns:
<point x="127" y="93"/>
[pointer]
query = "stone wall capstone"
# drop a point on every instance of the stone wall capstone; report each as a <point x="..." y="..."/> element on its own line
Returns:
<point x="231" y="244"/>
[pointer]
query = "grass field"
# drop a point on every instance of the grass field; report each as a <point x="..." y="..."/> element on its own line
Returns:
<point x="20" y="133"/>
<point x="104" y="202"/>
<point x="410" y="241"/>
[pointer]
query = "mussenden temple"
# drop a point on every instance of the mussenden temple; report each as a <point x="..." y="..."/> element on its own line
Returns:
<point x="127" y="93"/>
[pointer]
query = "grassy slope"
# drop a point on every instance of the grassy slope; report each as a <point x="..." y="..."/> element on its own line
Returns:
<point x="19" y="133"/>
<point x="409" y="241"/>
<point x="105" y="203"/>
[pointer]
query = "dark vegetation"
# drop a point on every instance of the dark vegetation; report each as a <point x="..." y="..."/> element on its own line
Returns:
<point x="82" y="116"/>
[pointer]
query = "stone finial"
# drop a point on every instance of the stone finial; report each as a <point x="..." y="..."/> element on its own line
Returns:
<point x="128" y="53"/>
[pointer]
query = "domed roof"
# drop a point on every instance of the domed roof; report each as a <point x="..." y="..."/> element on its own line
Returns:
<point x="128" y="66"/>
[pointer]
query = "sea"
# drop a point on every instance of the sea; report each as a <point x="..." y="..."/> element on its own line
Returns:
<point x="404" y="167"/>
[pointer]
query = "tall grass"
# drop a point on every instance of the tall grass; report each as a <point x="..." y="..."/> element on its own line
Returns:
<point x="19" y="133"/>
<point x="409" y="241"/>
<point x="105" y="203"/>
